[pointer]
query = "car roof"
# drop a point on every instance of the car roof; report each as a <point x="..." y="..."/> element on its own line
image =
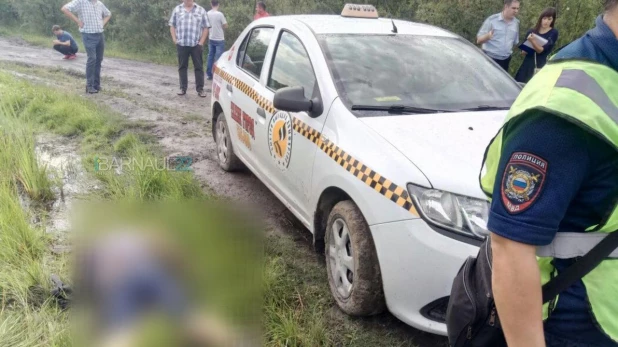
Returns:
<point x="334" y="24"/>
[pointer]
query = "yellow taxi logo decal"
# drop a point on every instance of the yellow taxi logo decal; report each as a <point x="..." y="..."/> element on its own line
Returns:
<point x="380" y="184"/>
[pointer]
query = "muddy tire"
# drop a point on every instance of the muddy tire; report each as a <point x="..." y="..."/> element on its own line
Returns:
<point x="226" y="158"/>
<point x="352" y="264"/>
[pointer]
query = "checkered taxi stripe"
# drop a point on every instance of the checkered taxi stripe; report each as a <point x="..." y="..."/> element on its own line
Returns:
<point x="371" y="178"/>
<point x="246" y="89"/>
<point x="380" y="184"/>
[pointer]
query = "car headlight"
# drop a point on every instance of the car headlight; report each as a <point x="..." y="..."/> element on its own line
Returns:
<point x="458" y="213"/>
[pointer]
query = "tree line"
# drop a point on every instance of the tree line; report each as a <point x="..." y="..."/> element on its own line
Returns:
<point x="143" y="23"/>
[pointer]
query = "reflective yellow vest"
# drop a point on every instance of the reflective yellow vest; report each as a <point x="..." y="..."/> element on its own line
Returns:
<point x="584" y="93"/>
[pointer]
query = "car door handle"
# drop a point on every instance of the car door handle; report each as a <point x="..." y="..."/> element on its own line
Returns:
<point x="230" y="88"/>
<point x="261" y="112"/>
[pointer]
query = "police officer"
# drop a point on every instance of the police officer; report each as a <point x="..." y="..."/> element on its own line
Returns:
<point x="553" y="169"/>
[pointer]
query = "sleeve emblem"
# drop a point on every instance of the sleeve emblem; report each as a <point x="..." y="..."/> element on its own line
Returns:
<point x="523" y="181"/>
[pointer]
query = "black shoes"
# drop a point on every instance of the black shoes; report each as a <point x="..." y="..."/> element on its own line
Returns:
<point x="93" y="90"/>
<point x="182" y="92"/>
<point x="202" y="94"/>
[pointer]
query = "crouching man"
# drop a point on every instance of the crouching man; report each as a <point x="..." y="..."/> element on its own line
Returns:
<point x="64" y="43"/>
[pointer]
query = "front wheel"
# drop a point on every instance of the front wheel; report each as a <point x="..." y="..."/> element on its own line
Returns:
<point x="352" y="264"/>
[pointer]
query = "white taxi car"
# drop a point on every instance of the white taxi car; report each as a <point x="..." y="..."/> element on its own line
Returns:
<point x="372" y="132"/>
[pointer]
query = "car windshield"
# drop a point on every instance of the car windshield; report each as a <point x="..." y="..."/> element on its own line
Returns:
<point x="438" y="73"/>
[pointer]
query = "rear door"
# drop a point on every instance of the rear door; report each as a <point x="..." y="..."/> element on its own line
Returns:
<point x="249" y="67"/>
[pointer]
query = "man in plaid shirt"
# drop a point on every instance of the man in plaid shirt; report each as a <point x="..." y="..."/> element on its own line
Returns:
<point x="189" y="28"/>
<point x="92" y="16"/>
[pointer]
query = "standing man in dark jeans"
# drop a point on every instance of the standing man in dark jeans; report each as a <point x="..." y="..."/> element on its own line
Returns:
<point x="64" y="43"/>
<point x="500" y="33"/>
<point x="189" y="28"/>
<point x="92" y="16"/>
<point x="216" y="41"/>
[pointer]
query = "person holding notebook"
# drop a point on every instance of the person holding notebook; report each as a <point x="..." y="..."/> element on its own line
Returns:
<point x="542" y="39"/>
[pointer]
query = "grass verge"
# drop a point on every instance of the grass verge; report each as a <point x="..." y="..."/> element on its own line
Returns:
<point x="26" y="264"/>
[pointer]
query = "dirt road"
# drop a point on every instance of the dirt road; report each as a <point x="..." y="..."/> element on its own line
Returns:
<point x="146" y="93"/>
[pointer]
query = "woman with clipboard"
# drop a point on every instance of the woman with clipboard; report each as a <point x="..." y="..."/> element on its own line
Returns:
<point x="539" y="43"/>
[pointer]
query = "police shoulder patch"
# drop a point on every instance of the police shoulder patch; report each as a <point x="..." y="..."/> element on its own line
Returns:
<point x="522" y="182"/>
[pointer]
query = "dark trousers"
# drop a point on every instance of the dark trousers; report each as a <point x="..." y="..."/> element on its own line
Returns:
<point x="95" y="48"/>
<point x="66" y="50"/>
<point x="196" y="54"/>
<point x="504" y="63"/>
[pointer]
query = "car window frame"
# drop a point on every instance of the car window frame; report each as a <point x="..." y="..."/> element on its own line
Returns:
<point x="244" y="44"/>
<point x="316" y="88"/>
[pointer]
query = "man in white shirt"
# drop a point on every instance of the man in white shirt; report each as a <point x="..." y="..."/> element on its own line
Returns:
<point x="216" y="40"/>
<point x="500" y="33"/>
<point x="92" y="16"/>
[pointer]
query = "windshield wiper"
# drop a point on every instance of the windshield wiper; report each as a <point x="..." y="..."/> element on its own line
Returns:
<point x="487" y="108"/>
<point x="397" y="109"/>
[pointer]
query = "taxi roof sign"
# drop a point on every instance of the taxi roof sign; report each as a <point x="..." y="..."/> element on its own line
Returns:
<point x="359" y="11"/>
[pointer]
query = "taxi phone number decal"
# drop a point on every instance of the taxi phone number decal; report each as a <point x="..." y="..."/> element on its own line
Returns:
<point x="245" y="126"/>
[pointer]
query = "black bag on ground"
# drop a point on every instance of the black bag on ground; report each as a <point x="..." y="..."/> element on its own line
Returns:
<point x="471" y="316"/>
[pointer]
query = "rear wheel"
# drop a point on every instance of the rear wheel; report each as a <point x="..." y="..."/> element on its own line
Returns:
<point x="352" y="263"/>
<point x="226" y="158"/>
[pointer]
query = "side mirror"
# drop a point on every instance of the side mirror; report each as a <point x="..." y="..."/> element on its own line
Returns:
<point x="292" y="99"/>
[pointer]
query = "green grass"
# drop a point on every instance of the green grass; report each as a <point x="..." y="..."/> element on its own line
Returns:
<point x="160" y="54"/>
<point x="18" y="154"/>
<point x="299" y="310"/>
<point x="26" y="311"/>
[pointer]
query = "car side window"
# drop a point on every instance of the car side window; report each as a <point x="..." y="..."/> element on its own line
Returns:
<point x="252" y="52"/>
<point x="292" y="66"/>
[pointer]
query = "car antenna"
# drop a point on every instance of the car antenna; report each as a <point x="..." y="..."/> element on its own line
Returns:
<point x="394" y="26"/>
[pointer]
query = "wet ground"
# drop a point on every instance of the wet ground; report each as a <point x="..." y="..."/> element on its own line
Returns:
<point x="146" y="93"/>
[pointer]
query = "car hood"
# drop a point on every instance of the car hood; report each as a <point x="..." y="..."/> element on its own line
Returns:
<point x="447" y="147"/>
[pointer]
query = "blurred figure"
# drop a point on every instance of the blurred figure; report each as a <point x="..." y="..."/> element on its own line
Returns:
<point x="260" y="10"/>
<point x="64" y="43"/>
<point x="216" y="41"/>
<point x="536" y="57"/>
<point x="500" y="33"/>
<point x="141" y="282"/>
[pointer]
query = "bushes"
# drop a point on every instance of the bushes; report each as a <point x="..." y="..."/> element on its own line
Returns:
<point x="141" y="25"/>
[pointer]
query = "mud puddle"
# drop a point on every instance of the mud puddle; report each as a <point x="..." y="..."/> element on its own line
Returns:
<point x="72" y="184"/>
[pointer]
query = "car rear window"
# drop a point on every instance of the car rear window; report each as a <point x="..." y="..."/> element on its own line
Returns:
<point x="419" y="71"/>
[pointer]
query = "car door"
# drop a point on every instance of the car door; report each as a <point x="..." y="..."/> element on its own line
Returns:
<point x="289" y="154"/>
<point x="249" y="65"/>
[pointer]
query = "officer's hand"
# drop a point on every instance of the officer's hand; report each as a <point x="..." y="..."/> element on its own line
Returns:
<point x="491" y="34"/>
<point x="81" y="24"/>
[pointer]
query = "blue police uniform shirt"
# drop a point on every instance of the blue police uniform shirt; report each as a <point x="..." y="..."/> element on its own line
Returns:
<point x="599" y="44"/>
<point x="576" y="187"/>
<point x="65" y="36"/>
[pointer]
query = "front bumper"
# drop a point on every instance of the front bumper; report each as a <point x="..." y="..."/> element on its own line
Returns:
<point x="418" y="264"/>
